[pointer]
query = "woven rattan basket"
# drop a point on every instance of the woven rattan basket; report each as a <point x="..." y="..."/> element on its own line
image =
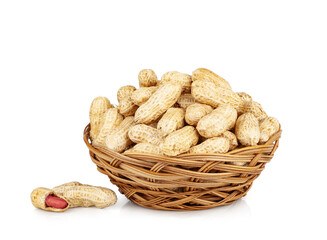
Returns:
<point x="186" y="182"/>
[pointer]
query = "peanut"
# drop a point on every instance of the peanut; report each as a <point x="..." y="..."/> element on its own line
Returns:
<point x="186" y="100"/>
<point x="55" y="202"/>
<point x="195" y="112"/>
<point x="244" y="98"/>
<point x="232" y="139"/>
<point x="118" y="139"/>
<point x="165" y="97"/>
<point x="83" y="195"/>
<point x="208" y="93"/>
<point x="98" y="107"/>
<point x="147" y="78"/>
<point x="256" y="109"/>
<point x="218" y="121"/>
<point x="110" y="120"/>
<point x="183" y="79"/>
<point x="64" y="187"/>
<point x="127" y="107"/>
<point x="180" y="141"/>
<point x="125" y="91"/>
<point x="212" y="145"/>
<point x="39" y="200"/>
<point x="142" y="95"/>
<point x="207" y="75"/>
<point x="145" y="148"/>
<point x="171" y="121"/>
<point x="247" y="129"/>
<point x="142" y="133"/>
<point x="268" y="127"/>
<point x="88" y="196"/>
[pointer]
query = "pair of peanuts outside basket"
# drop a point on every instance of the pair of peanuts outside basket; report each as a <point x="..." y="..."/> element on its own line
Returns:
<point x="137" y="175"/>
<point x="183" y="182"/>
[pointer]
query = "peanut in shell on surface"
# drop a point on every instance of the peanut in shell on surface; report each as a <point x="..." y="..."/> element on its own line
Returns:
<point x="247" y="129"/>
<point x="73" y="194"/>
<point x="165" y="97"/>
<point x="180" y="141"/>
<point x="218" y="121"/>
<point x="171" y="121"/>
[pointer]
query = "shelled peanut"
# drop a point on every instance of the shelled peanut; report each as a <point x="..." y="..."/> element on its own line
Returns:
<point x="181" y="113"/>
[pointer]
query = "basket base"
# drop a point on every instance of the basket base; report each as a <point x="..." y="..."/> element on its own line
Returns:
<point x="180" y="200"/>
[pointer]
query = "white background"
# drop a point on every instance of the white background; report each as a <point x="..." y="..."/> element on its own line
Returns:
<point x="56" y="56"/>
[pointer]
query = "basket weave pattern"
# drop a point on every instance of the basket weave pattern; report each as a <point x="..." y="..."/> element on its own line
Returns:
<point x="186" y="182"/>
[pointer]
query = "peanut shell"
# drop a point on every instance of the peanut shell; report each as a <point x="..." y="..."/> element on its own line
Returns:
<point x="165" y="97"/>
<point x="218" y="121"/>
<point x="247" y="129"/>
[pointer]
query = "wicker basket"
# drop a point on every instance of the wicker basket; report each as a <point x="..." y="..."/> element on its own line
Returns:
<point x="186" y="182"/>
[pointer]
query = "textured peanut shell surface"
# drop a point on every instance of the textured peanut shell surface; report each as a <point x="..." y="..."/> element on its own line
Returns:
<point x="207" y="75"/>
<point x="165" y="97"/>
<point x="185" y="100"/>
<point x="118" y="139"/>
<point x="218" y="121"/>
<point x="110" y="120"/>
<point x="208" y="93"/>
<point x="233" y="143"/>
<point x="98" y="107"/>
<point x="185" y="80"/>
<point x="256" y="109"/>
<point x="142" y="133"/>
<point x="145" y="148"/>
<point x="244" y="98"/>
<point x="64" y="187"/>
<point x="171" y="121"/>
<point x="88" y="196"/>
<point x="268" y="127"/>
<point x="127" y="107"/>
<point x="247" y="129"/>
<point x="180" y="141"/>
<point x="125" y="91"/>
<point x="147" y="78"/>
<point x="212" y="145"/>
<point x="195" y="112"/>
<point x="142" y="95"/>
<point x="39" y="195"/>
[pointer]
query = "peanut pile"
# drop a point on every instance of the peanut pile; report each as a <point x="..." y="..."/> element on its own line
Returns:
<point x="178" y="114"/>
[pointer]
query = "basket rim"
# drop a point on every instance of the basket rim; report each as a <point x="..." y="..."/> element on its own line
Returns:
<point x="236" y="152"/>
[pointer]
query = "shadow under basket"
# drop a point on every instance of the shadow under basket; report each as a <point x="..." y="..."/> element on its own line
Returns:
<point x="186" y="182"/>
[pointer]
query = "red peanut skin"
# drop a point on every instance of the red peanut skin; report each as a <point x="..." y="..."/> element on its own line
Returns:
<point x="55" y="202"/>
